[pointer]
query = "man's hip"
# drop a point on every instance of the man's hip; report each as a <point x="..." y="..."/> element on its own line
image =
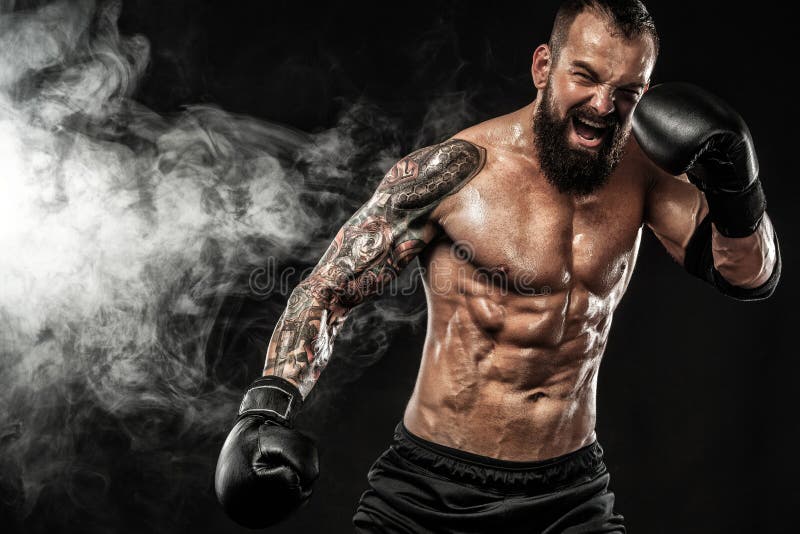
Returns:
<point x="417" y="486"/>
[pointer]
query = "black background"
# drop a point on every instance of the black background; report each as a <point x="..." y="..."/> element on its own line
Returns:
<point x="697" y="392"/>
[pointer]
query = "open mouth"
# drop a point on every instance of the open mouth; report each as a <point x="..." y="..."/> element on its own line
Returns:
<point x="588" y="132"/>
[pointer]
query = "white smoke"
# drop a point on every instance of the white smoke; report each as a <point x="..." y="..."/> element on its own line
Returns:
<point x="123" y="234"/>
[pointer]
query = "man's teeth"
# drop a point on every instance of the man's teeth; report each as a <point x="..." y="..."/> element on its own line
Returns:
<point x="592" y="124"/>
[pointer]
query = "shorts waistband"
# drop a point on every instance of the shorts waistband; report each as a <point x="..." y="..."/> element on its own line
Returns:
<point x="575" y="467"/>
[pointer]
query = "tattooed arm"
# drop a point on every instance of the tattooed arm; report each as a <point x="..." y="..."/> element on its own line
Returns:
<point x="381" y="238"/>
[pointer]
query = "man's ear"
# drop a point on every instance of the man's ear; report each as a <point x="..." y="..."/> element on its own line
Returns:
<point x="540" y="66"/>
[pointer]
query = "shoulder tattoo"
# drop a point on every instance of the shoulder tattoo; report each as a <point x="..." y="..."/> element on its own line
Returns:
<point x="428" y="175"/>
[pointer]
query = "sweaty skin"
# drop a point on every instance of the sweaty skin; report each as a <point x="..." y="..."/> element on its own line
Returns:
<point x="518" y="324"/>
<point x="521" y="281"/>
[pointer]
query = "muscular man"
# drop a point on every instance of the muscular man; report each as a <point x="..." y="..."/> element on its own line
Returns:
<point x="527" y="227"/>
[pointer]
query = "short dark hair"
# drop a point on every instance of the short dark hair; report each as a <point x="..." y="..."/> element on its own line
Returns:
<point x="630" y="17"/>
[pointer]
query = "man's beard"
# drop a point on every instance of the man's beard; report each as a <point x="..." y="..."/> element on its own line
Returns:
<point x="570" y="170"/>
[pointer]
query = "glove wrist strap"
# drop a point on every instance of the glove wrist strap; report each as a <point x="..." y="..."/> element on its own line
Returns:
<point x="737" y="214"/>
<point x="273" y="398"/>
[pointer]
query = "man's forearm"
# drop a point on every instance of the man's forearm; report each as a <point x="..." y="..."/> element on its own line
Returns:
<point x="356" y="264"/>
<point x="303" y="338"/>
<point x="369" y="251"/>
<point x="746" y="262"/>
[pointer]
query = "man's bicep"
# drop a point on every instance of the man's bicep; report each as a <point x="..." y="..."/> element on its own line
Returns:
<point x="673" y="210"/>
<point x="394" y="226"/>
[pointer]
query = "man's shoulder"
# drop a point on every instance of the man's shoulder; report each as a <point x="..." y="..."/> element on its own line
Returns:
<point x="430" y="174"/>
<point x="637" y="164"/>
<point x="497" y="133"/>
<point x="426" y="176"/>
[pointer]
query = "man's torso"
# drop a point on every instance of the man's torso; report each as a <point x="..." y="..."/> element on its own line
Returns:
<point x="521" y="286"/>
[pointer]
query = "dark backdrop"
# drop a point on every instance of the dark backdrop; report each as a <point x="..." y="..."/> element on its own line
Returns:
<point x="697" y="392"/>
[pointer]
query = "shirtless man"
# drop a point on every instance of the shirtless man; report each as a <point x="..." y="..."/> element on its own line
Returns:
<point x="527" y="227"/>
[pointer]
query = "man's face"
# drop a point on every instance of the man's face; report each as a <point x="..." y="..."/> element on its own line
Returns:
<point x="587" y="98"/>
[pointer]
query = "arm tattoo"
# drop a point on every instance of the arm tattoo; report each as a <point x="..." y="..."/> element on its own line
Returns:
<point x="430" y="174"/>
<point x="368" y="252"/>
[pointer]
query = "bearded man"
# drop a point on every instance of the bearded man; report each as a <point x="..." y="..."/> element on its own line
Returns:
<point x="527" y="227"/>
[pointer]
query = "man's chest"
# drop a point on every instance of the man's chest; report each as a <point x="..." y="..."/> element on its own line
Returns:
<point x="533" y="234"/>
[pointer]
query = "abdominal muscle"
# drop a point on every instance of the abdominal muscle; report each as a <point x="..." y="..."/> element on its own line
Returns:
<point x="511" y="376"/>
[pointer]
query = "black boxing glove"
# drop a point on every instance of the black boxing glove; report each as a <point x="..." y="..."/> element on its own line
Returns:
<point x="266" y="468"/>
<point x="684" y="128"/>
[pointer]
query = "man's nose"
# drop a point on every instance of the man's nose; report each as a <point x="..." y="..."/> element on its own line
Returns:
<point x="603" y="99"/>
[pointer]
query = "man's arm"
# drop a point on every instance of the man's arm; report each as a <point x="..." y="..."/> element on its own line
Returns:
<point x="677" y="213"/>
<point x="369" y="251"/>
<point x="266" y="468"/>
<point x="712" y="216"/>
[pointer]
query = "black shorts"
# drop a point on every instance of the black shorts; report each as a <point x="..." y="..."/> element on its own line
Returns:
<point x="419" y="487"/>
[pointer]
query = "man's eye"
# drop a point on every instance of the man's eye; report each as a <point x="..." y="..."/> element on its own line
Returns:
<point x="583" y="76"/>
